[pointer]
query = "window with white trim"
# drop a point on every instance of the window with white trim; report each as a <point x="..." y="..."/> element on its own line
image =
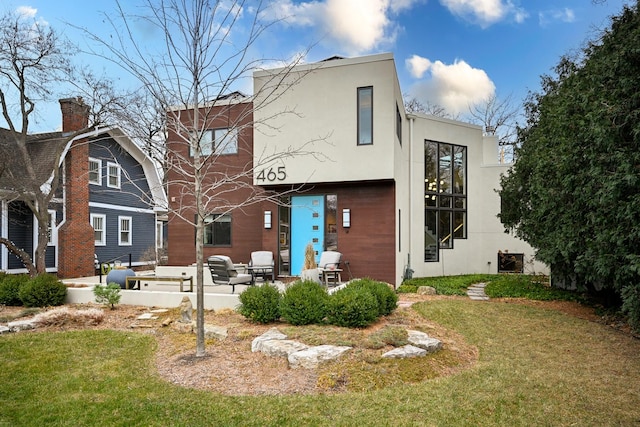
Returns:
<point x="113" y="175"/>
<point x="124" y="230"/>
<point x="95" y="171"/>
<point x="52" y="237"/>
<point x="159" y="235"/>
<point x="99" y="224"/>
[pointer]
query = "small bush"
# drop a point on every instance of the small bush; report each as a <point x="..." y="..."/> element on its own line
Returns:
<point x="260" y="303"/>
<point x="304" y="303"/>
<point x="107" y="295"/>
<point x="353" y="307"/>
<point x="10" y="285"/>
<point x="43" y="291"/>
<point x="387" y="298"/>
<point x="406" y="288"/>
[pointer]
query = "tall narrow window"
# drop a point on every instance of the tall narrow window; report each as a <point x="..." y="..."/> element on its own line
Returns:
<point x="398" y="124"/>
<point x="113" y="175"/>
<point x="445" y="199"/>
<point x="51" y="229"/>
<point x="95" y="173"/>
<point x="124" y="230"/>
<point x="98" y="222"/>
<point x="365" y="115"/>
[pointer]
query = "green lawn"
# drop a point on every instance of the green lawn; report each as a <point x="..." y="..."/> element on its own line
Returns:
<point x="536" y="367"/>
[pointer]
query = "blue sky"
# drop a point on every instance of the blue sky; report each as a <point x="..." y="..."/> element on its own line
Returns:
<point x="447" y="52"/>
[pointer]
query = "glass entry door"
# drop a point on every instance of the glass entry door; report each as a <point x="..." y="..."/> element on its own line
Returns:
<point x="307" y="226"/>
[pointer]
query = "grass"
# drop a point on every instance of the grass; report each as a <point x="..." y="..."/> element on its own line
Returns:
<point x="536" y="367"/>
<point x="498" y="286"/>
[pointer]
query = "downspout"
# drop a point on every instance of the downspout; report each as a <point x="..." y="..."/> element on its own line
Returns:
<point x="408" y="271"/>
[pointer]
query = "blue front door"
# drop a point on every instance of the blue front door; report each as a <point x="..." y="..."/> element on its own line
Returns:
<point x="307" y="226"/>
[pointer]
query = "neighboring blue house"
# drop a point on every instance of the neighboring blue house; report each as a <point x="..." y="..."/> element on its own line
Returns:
<point x="110" y="203"/>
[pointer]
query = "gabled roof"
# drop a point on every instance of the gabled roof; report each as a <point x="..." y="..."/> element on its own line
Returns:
<point x="42" y="148"/>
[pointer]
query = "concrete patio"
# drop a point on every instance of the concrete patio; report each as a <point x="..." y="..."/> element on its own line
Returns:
<point x="162" y="294"/>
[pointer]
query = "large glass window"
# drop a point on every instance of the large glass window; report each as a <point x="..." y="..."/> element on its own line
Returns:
<point x="365" y="115"/>
<point x="219" y="141"/>
<point x="217" y="230"/>
<point x="445" y="196"/>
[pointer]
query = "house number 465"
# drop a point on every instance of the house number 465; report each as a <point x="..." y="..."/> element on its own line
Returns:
<point x="272" y="174"/>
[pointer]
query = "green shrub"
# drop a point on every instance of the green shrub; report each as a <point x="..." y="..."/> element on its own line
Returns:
<point x="387" y="298"/>
<point x="353" y="307"/>
<point x="304" y="303"/>
<point x="10" y="285"/>
<point x="107" y="295"/>
<point x="43" y="291"/>
<point x="407" y="288"/>
<point x="260" y="303"/>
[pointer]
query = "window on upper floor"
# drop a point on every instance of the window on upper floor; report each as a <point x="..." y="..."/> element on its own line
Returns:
<point x="398" y="124"/>
<point x="124" y="230"/>
<point x="217" y="230"/>
<point x="445" y="196"/>
<point x="219" y="141"/>
<point x="99" y="224"/>
<point x="365" y="115"/>
<point x="95" y="171"/>
<point x="113" y="175"/>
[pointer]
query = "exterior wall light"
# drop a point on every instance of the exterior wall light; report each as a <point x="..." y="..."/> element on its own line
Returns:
<point x="267" y="219"/>
<point x="346" y="218"/>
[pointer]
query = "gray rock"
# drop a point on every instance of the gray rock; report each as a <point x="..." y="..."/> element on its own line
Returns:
<point x="281" y="348"/>
<point x="271" y="334"/>
<point x="426" y="290"/>
<point x="216" y="332"/>
<point x="21" y="325"/>
<point x="424" y="341"/>
<point x="313" y="356"/>
<point x="405" y="352"/>
<point x="4" y="329"/>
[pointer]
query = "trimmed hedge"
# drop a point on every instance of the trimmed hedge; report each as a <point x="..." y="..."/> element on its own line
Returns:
<point x="387" y="298"/>
<point x="10" y="285"/>
<point x="353" y="307"/>
<point x="304" y="303"/>
<point x="260" y="303"/>
<point x="43" y="291"/>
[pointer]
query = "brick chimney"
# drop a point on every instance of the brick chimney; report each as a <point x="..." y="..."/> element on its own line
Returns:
<point x="75" y="238"/>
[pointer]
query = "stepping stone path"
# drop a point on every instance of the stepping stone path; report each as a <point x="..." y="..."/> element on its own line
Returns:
<point x="476" y="292"/>
<point x="275" y="343"/>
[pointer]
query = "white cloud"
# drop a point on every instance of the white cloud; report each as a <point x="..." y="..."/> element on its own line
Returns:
<point x="26" y="11"/>
<point x="356" y="26"/>
<point x="562" y="15"/>
<point x="453" y="86"/>
<point x="485" y="12"/>
<point x="418" y="65"/>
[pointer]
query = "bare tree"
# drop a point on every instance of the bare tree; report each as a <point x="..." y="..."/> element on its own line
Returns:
<point x="497" y="116"/>
<point x="32" y="60"/>
<point x="414" y="105"/>
<point x="193" y="80"/>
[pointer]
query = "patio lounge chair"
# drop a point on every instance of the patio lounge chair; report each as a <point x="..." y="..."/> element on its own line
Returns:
<point x="223" y="272"/>
<point x="261" y="265"/>
<point x="329" y="267"/>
